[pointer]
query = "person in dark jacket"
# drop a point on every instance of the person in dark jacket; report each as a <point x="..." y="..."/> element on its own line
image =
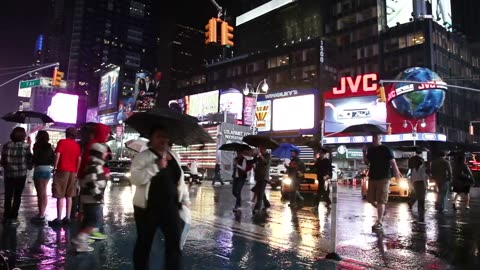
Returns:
<point x="324" y="168"/>
<point x="295" y="171"/>
<point x="217" y="176"/>
<point x="441" y="171"/>
<point x="92" y="188"/>
<point x="43" y="159"/>
<point x="462" y="180"/>
<point x="262" y="175"/>
<point x="16" y="161"/>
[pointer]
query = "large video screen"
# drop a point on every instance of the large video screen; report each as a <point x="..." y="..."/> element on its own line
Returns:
<point x="63" y="108"/>
<point x="294" y="113"/>
<point x="344" y="112"/>
<point x="231" y="100"/>
<point x="203" y="104"/>
<point x="398" y="11"/>
<point x="442" y="13"/>
<point x="108" y="94"/>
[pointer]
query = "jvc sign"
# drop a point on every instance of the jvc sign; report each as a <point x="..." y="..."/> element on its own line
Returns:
<point x="358" y="84"/>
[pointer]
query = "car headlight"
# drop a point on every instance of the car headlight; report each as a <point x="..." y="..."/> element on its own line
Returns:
<point x="287" y="181"/>
<point x="403" y="184"/>
<point x="128" y="174"/>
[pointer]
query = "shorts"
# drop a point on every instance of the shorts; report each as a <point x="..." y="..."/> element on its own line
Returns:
<point x="64" y="185"/>
<point x="92" y="215"/>
<point x="42" y="172"/>
<point x="378" y="191"/>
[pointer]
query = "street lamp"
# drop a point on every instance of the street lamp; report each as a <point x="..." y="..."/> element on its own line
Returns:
<point x="262" y="89"/>
<point x="422" y="123"/>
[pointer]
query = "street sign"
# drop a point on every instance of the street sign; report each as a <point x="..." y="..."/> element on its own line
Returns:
<point x="29" y="83"/>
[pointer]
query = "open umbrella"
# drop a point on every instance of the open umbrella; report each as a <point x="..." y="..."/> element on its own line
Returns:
<point x="181" y="129"/>
<point x="27" y="117"/>
<point x="259" y="140"/>
<point x="235" y="147"/>
<point x="364" y="129"/>
<point x="137" y="145"/>
<point x="284" y="150"/>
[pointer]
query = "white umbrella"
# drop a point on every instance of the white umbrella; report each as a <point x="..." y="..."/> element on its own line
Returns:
<point x="137" y="145"/>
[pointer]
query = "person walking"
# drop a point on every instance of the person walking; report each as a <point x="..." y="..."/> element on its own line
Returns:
<point x="239" y="178"/>
<point x="324" y="168"/>
<point x="380" y="160"/>
<point x="43" y="159"/>
<point x="159" y="196"/>
<point x="16" y="161"/>
<point x="462" y="180"/>
<point x="92" y="188"/>
<point x="295" y="171"/>
<point x="66" y="165"/>
<point x="217" y="176"/>
<point x="262" y="174"/>
<point x="419" y="178"/>
<point x="441" y="171"/>
<point x="194" y="172"/>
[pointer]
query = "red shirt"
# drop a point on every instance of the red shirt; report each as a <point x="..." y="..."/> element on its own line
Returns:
<point x="69" y="151"/>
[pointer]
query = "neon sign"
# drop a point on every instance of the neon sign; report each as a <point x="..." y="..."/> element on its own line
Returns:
<point x="368" y="81"/>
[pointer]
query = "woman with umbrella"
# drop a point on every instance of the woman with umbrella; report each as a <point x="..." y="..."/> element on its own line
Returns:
<point x="160" y="193"/>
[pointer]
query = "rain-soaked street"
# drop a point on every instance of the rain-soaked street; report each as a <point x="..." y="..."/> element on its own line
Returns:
<point x="277" y="239"/>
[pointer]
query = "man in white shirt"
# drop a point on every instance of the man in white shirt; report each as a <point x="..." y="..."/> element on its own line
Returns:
<point x="194" y="171"/>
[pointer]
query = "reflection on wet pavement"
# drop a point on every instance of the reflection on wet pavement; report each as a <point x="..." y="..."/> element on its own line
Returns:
<point x="276" y="239"/>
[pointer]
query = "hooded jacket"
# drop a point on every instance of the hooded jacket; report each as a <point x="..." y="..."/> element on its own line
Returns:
<point x="101" y="135"/>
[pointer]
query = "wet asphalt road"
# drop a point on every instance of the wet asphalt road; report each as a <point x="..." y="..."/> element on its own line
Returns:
<point x="277" y="239"/>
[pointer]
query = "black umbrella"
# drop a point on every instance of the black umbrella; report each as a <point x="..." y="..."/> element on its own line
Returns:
<point x="235" y="147"/>
<point x="181" y="129"/>
<point x="259" y="140"/>
<point x="27" y="117"/>
<point x="364" y="129"/>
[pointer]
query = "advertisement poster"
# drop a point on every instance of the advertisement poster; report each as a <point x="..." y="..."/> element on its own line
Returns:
<point x="146" y="90"/>
<point x="92" y="115"/>
<point x="263" y="115"/>
<point x="179" y="105"/>
<point x="108" y="94"/>
<point x="204" y="104"/>
<point x="126" y="106"/>
<point x="248" y="112"/>
<point x="231" y="100"/>
<point x="344" y="112"/>
<point x="398" y="12"/>
<point x="442" y="13"/>
<point x="63" y="108"/>
<point x="293" y="113"/>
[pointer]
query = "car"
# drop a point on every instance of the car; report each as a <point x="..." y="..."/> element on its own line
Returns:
<point x="187" y="175"/>
<point x="308" y="184"/>
<point x="277" y="172"/>
<point x="119" y="170"/>
<point x="398" y="188"/>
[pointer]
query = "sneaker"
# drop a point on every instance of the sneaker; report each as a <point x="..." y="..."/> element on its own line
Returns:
<point x="98" y="236"/>
<point x="377" y="226"/>
<point x="66" y="221"/>
<point x="54" y="223"/>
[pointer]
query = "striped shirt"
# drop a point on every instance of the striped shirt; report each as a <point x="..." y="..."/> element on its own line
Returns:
<point x="16" y="159"/>
<point x="93" y="184"/>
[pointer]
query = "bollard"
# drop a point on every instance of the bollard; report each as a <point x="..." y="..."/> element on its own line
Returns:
<point x="333" y="227"/>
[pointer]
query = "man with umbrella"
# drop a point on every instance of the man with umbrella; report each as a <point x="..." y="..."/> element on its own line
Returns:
<point x="324" y="168"/>
<point x="295" y="171"/>
<point x="262" y="171"/>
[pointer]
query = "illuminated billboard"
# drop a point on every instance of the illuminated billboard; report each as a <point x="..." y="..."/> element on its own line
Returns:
<point x="146" y="91"/>
<point x="344" y="112"/>
<point x="179" y="105"/>
<point x="291" y="113"/>
<point x="231" y="100"/>
<point x="204" y="104"/>
<point x="63" y="108"/>
<point x="92" y="115"/>
<point x="108" y="94"/>
<point x="263" y="115"/>
<point x="248" y="110"/>
<point x="398" y="12"/>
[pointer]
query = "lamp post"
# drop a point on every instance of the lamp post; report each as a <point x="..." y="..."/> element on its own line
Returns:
<point x="261" y="89"/>
<point x="422" y="123"/>
<point x="122" y="138"/>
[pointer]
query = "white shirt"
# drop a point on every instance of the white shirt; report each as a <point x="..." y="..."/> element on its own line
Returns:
<point x="194" y="168"/>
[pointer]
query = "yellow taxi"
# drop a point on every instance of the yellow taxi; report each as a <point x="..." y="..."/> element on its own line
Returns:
<point x="309" y="183"/>
<point x="398" y="188"/>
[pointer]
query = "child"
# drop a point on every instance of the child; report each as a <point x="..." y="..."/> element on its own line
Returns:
<point x="92" y="187"/>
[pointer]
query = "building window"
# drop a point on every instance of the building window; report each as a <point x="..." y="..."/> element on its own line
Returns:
<point x="278" y="61"/>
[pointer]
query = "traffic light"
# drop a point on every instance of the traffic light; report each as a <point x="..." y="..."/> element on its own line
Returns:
<point x="227" y="35"/>
<point x="381" y="94"/>
<point x="57" y="77"/>
<point x="211" y="31"/>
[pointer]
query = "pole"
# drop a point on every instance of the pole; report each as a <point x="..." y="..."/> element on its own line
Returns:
<point x="123" y="135"/>
<point x="333" y="255"/>
<point x="26" y="73"/>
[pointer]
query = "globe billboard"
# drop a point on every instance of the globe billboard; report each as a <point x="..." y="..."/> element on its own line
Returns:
<point x="421" y="95"/>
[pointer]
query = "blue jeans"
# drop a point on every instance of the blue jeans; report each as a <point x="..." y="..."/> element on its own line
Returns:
<point x="443" y="189"/>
